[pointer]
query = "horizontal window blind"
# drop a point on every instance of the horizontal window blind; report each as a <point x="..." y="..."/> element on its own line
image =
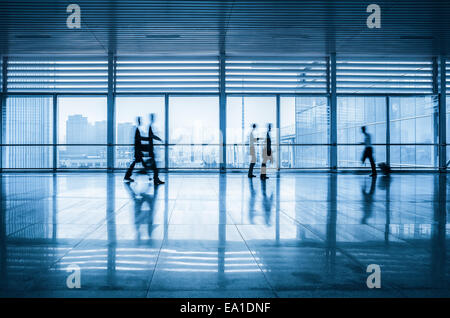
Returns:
<point x="275" y="75"/>
<point x="160" y="75"/>
<point x="58" y="74"/>
<point x="384" y="76"/>
<point x="201" y="75"/>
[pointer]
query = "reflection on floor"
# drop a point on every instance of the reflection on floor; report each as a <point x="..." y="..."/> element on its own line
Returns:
<point x="211" y="235"/>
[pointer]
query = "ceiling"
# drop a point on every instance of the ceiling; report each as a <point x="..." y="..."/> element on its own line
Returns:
<point x="269" y="28"/>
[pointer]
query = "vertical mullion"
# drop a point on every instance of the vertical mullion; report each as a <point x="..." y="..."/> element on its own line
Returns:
<point x="278" y="132"/>
<point x="436" y="125"/>
<point x="333" y="112"/>
<point x="110" y="122"/>
<point x="442" y="113"/>
<point x="388" y="131"/>
<point x="3" y="104"/>
<point x="55" y="131"/>
<point x="166" y="132"/>
<point x="222" y="114"/>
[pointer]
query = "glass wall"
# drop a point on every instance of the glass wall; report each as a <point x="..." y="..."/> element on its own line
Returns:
<point x="242" y="112"/>
<point x="194" y="132"/>
<point x="28" y="122"/>
<point x="413" y="120"/>
<point x="304" y="121"/>
<point x="448" y="130"/>
<point x="82" y="120"/>
<point x="352" y="114"/>
<point x="393" y="96"/>
<point x="127" y="110"/>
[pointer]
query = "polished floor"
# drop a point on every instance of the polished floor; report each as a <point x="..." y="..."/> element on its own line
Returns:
<point x="211" y="235"/>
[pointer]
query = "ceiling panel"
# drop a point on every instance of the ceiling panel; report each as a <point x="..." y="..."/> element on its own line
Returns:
<point x="316" y="27"/>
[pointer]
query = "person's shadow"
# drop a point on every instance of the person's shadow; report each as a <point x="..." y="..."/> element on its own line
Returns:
<point x="367" y="200"/>
<point x="144" y="208"/>
<point x="385" y="184"/>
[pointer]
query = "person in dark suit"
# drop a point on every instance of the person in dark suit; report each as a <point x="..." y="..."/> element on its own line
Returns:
<point x="267" y="153"/>
<point x="138" y="148"/>
<point x="368" y="151"/>
<point x="151" y="152"/>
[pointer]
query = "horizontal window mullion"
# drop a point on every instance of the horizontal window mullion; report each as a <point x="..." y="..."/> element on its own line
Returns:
<point x="168" y="65"/>
<point x="275" y="90"/>
<point x="200" y="89"/>
<point x="300" y="65"/>
<point x="385" y="66"/>
<point x="55" y="90"/>
<point x="188" y="72"/>
<point x="386" y="81"/>
<point x="381" y="90"/>
<point x="160" y="83"/>
<point x="271" y="82"/>
<point x="248" y="71"/>
<point x="152" y="78"/>
<point x="148" y="59"/>
<point x="31" y="65"/>
<point x="43" y="79"/>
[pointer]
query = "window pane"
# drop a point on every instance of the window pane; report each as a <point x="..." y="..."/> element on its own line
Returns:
<point x="194" y="120"/>
<point x="353" y="113"/>
<point x="242" y="112"/>
<point x="28" y="121"/>
<point x="350" y="156"/>
<point x="127" y="110"/>
<point x="413" y="121"/>
<point x="304" y="120"/>
<point x="448" y="127"/>
<point x="82" y="120"/>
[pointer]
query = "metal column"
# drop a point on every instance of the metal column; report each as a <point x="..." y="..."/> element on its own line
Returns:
<point x="435" y="101"/>
<point x="222" y="114"/>
<point x="3" y="104"/>
<point x="166" y="132"/>
<point x="333" y="112"/>
<point x="278" y="133"/>
<point x="388" y="131"/>
<point x="442" y="114"/>
<point x="55" y="132"/>
<point x="111" y="112"/>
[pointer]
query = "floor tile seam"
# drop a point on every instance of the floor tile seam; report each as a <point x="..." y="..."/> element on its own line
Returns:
<point x="257" y="263"/>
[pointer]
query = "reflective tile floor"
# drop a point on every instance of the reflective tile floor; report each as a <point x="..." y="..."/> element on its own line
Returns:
<point x="211" y="235"/>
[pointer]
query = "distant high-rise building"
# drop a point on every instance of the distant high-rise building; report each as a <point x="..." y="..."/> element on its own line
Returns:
<point x="98" y="135"/>
<point x="28" y="121"/>
<point x="125" y="133"/>
<point x="77" y="132"/>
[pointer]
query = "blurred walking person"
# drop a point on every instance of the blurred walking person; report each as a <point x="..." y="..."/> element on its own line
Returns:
<point x="252" y="150"/>
<point x="138" y="149"/>
<point x="368" y="151"/>
<point x="151" y="152"/>
<point x="266" y="153"/>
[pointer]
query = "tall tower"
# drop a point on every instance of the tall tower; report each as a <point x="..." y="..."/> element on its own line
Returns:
<point x="28" y="121"/>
